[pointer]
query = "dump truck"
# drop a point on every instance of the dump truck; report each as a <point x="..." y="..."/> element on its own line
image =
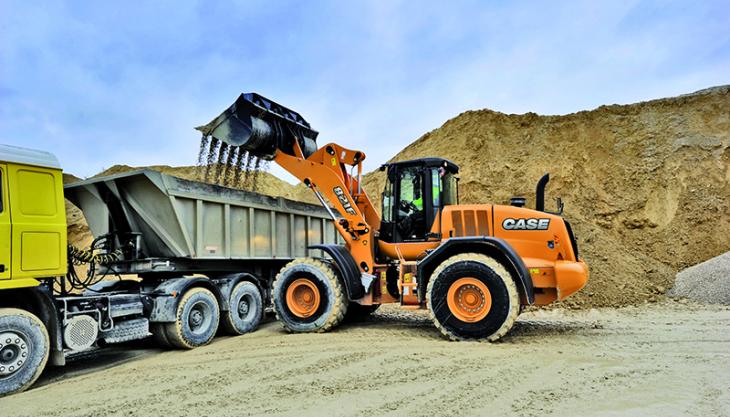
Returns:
<point x="472" y="266"/>
<point x="196" y="259"/>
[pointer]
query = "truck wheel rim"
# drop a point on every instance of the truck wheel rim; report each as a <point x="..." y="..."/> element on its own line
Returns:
<point x="14" y="352"/>
<point x="469" y="299"/>
<point x="243" y="307"/>
<point x="302" y="298"/>
<point x="200" y="317"/>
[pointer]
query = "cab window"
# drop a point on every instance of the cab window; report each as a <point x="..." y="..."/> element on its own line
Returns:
<point x="411" y="196"/>
<point x="450" y="189"/>
<point x="436" y="186"/>
<point x="388" y="203"/>
<point x="1" y="191"/>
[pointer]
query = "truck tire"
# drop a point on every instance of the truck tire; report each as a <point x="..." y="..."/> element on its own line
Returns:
<point x="357" y="312"/>
<point x="472" y="297"/>
<point x="198" y="315"/>
<point x="24" y="350"/>
<point x="246" y="309"/>
<point x="308" y="296"/>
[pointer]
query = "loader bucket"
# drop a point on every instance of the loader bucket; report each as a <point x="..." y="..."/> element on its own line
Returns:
<point x="261" y="127"/>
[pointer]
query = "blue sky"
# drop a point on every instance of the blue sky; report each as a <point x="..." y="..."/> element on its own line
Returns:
<point x="101" y="83"/>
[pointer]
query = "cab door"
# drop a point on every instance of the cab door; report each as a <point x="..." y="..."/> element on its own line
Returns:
<point x="5" y="231"/>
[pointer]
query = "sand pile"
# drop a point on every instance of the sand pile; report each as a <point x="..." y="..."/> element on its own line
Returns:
<point x="645" y="185"/>
<point x="708" y="282"/>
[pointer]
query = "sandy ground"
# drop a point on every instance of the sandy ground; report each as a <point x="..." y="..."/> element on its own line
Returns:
<point x="666" y="359"/>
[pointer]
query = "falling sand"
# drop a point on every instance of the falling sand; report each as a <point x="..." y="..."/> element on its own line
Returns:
<point x="229" y="166"/>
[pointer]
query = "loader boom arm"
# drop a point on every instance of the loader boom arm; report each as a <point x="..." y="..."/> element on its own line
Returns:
<point x="325" y="172"/>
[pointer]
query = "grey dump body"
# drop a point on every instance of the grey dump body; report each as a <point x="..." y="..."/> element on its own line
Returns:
<point x="189" y="226"/>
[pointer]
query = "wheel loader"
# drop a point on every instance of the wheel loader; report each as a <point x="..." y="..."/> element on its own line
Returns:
<point x="473" y="266"/>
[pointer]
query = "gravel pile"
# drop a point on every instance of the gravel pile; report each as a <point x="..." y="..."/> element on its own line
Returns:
<point x="708" y="282"/>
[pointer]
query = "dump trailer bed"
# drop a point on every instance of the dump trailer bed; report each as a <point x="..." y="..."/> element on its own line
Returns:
<point x="168" y="225"/>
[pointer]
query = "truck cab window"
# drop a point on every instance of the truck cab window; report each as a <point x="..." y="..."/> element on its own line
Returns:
<point x="1" y="191"/>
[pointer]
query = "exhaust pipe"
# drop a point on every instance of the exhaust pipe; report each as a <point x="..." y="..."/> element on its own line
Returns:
<point x="261" y="127"/>
<point x="540" y="193"/>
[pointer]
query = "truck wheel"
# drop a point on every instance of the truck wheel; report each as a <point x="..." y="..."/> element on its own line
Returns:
<point x="197" y="320"/>
<point x="246" y="309"/>
<point x="357" y="312"/>
<point x="472" y="297"/>
<point x="24" y="350"/>
<point x="308" y="296"/>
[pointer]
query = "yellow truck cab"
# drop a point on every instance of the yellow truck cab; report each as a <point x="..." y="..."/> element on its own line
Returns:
<point x="32" y="221"/>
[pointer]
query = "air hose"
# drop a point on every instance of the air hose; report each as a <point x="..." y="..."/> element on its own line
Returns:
<point x="92" y="257"/>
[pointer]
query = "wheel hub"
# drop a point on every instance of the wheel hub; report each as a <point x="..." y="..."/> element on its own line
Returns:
<point x="469" y="299"/>
<point x="243" y="308"/>
<point x="14" y="352"/>
<point x="302" y="298"/>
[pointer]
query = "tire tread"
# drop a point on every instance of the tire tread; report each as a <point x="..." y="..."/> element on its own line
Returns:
<point x="499" y="269"/>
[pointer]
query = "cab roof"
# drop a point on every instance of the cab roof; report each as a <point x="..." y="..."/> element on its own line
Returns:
<point x="426" y="163"/>
<point x="18" y="155"/>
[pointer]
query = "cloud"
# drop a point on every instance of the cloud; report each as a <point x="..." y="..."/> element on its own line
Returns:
<point x="102" y="83"/>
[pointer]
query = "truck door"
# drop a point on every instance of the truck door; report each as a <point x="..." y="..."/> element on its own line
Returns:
<point x="4" y="225"/>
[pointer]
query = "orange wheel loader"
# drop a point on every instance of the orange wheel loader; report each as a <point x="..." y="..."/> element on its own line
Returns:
<point x="472" y="266"/>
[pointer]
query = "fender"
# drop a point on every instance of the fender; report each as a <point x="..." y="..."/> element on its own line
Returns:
<point x="495" y="247"/>
<point x="167" y="296"/>
<point x="349" y="272"/>
<point x="226" y="283"/>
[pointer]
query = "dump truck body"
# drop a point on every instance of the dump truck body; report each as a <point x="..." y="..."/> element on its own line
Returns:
<point x="175" y="225"/>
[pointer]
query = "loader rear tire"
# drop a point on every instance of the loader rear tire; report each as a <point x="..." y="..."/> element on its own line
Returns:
<point x="24" y="350"/>
<point x="196" y="321"/>
<point x="246" y="309"/>
<point x="472" y="297"/>
<point x="308" y="296"/>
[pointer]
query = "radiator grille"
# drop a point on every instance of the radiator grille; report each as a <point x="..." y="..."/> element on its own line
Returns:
<point x="470" y="222"/>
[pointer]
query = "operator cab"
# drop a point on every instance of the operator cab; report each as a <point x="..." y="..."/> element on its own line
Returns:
<point x="414" y="193"/>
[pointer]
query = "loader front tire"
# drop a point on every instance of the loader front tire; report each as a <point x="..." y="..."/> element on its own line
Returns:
<point x="308" y="296"/>
<point x="197" y="318"/>
<point x="472" y="297"/>
<point x="24" y="350"/>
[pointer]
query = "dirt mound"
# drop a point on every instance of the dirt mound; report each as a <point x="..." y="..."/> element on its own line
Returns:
<point x="80" y="236"/>
<point x="645" y="185"/>
<point x="265" y="183"/>
<point x="708" y="282"/>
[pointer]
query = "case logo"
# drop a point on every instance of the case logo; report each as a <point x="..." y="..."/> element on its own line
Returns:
<point x="525" y="224"/>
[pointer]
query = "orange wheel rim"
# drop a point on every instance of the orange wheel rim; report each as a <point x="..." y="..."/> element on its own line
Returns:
<point x="302" y="298"/>
<point x="469" y="299"/>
